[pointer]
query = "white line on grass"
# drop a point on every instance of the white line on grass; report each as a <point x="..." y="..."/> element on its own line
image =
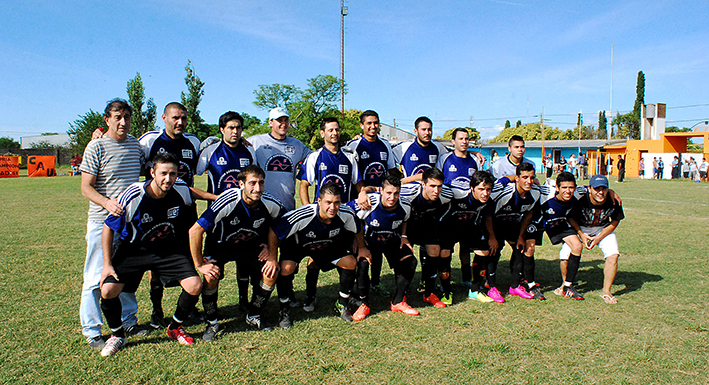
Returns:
<point x="665" y="214"/>
<point x="660" y="201"/>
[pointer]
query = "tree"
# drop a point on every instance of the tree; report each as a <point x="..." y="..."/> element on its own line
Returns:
<point x="640" y="95"/>
<point x="81" y="130"/>
<point x="507" y="123"/>
<point x="602" y="123"/>
<point x="472" y="132"/>
<point x="191" y="101"/>
<point x="628" y="125"/>
<point x="7" y="142"/>
<point x="519" y="123"/>
<point x="141" y="121"/>
<point x="306" y="108"/>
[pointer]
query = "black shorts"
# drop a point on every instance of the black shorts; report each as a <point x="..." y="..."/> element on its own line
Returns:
<point x="131" y="263"/>
<point x="246" y="259"/>
<point x="325" y="255"/>
<point x="393" y="253"/>
<point x="470" y="238"/>
<point x="558" y="236"/>
<point x="534" y="232"/>
<point x="422" y="234"/>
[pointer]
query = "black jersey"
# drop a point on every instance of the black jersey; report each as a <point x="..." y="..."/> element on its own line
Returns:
<point x="423" y="211"/>
<point x="510" y="206"/>
<point x="467" y="212"/>
<point x="157" y="225"/>
<point x="304" y="226"/>
<point x="382" y="226"/>
<point x="588" y="215"/>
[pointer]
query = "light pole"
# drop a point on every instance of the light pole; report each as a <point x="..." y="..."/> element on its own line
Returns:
<point x="343" y="12"/>
<point x="706" y="122"/>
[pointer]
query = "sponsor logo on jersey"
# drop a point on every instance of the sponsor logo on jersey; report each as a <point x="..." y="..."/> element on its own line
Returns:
<point x="374" y="170"/>
<point x="551" y="211"/>
<point x="507" y="208"/>
<point x="432" y="158"/>
<point x="317" y="245"/>
<point x="243" y="162"/>
<point x="243" y="235"/>
<point x="452" y="168"/>
<point x="186" y="154"/>
<point x="383" y="155"/>
<point x="414" y="158"/>
<point x="146" y="218"/>
<point x="279" y="163"/>
<point x="374" y="223"/>
<point x="462" y="205"/>
<point x="228" y="180"/>
<point x="159" y="231"/>
<point x="235" y="221"/>
<point x="421" y="168"/>
<point x="337" y="180"/>
<point x="289" y="150"/>
<point x="461" y="182"/>
<point x="323" y="166"/>
<point x="532" y="229"/>
<point x="311" y="235"/>
<point x="184" y="172"/>
<point x="334" y="233"/>
<point x="343" y="169"/>
<point x="221" y="161"/>
<point x="396" y="224"/>
<point x="258" y="223"/>
<point x="161" y="150"/>
<point x="525" y="208"/>
<point x="173" y="212"/>
<point x="365" y="155"/>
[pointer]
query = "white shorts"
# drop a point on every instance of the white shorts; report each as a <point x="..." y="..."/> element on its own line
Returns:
<point x="608" y="245"/>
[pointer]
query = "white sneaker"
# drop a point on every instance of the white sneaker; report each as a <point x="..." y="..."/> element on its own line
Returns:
<point x="113" y="345"/>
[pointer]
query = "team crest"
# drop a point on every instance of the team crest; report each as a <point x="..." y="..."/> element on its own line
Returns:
<point x="311" y="235"/>
<point x="396" y="224"/>
<point x="323" y="166"/>
<point x="551" y="211"/>
<point x="334" y="232"/>
<point x="146" y="218"/>
<point x="186" y="154"/>
<point x="234" y="221"/>
<point x="258" y="223"/>
<point x="383" y="155"/>
<point x="244" y="162"/>
<point x="374" y="223"/>
<point x="452" y="168"/>
<point x="173" y="212"/>
<point x="289" y="150"/>
<point x="414" y="158"/>
<point x="343" y="169"/>
<point x="365" y="155"/>
<point x="432" y="158"/>
<point x="221" y="161"/>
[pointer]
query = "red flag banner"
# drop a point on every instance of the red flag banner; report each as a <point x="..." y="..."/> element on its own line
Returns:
<point x="40" y="165"/>
<point x="9" y="166"/>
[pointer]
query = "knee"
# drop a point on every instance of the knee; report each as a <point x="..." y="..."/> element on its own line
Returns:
<point x="192" y="285"/>
<point x="210" y="283"/>
<point x="287" y="268"/>
<point x="347" y="263"/>
<point x="612" y="260"/>
<point x="110" y="290"/>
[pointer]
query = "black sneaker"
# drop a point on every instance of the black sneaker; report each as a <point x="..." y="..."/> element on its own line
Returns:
<point x="355" y="302"/>
<point x="96" y="342"/>
<point x="294" y="302"/>
<point x="258" y="323"/>
<point x="135" y="330"/>
<point x="571" y="292"/>
<point x="537" y="293"/>
<point x="157" y="321"/>
<point x="285" y="321"/>
<point x="309" y="305"/>
<point x="210" y="333"/>
<point x="196" y="318"/>
<point x="343" y="311"/>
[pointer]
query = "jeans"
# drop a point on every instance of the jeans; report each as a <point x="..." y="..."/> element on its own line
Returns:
<point x="90" y="308"/>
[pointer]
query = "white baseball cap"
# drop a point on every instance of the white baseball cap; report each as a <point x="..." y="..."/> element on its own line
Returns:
<point x="277" y="113"/>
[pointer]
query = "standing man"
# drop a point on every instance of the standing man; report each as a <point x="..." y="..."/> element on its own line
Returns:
<point x="237" y="226"/>
<point x="326" y="232"/>
<point x="110" y="165"/>
<point x="583" y="166"/>
<point x="621" y="169"/>
<point x="660" y="169"/>
<point x="224" y="160"/>
<point x="508" y="165"/>
<point x="416" y="155"/>
<point x="703" y="167"/>
<point x="595" y="218"/>
<point x="458" y="167"/>
<point x="152" y="236"/>
<point x="279" y="155"/>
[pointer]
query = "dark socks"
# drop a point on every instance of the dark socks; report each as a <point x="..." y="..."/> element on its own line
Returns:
<point x="465" y="271"/>
<point x="209" y="302"/>
<point x="492" y="262"/>
<point x="311" y="281"/>
<point x="185" y="305"/>
<point x="156" y="293"/>
<point x="517" y="263"/>
<point x="479" y="270"/>
<point x="243" y="284"/>
<point x="444" y="269"/>
<point x="572" y="268"/>
<point x="363" y="279"/>
<point x="528" y="268"/>
<point x="347" y="278"/>
<point x="259" y="298"/>
<point x="376" y="270"/>
<point x="428" y="272"/>
<point x="112" y="310"/>
<point x="284" y="283"/>
<point x="404" y="275"/>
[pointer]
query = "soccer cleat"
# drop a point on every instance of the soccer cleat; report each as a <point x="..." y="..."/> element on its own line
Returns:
<point x="309" y="305"/>
<point x="537" y="293"/>
<point x="157" y="320"/>
<point x="571" y="292"/>
<point x="380" y="290"/>
<point x="354" y="302"/>
<point x="196" y="318"/>
<point x="559" y="290"/>
<point x="421" y="288"/>
<point x="447" y="298"/>
<point x="285" y="322"/>
<point x="361" y="313"/>
<point x="96" y="342"/>
<point x="520" y="292"/>
<point x="135" y="330"/>
<point x="495" y="295"/>
<point x="404" y="307"/>
<point x="433" y="300"/>
<point x="210" y="333"/>
<point x="113" y="345"/>
<point x="480" y="296"/>
<point x="180" y="335"/>
<point x="343" y="311"/>
<point x="257" y="322"/>
<point x="294" y="302"/>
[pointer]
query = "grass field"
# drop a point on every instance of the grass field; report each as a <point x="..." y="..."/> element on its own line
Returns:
<point x="657" y="333"/>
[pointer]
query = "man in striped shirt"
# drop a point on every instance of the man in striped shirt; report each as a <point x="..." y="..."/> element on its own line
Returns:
<point x="111" y="163"/>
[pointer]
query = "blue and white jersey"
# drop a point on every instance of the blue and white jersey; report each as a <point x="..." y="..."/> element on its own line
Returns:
<point x="280" y="159"/>
<point x="457" y="172"/>
<point x="510" y="206"/>
<point x="229" y="221"/>
<point x="413" y="158"/>
<point x="322" y="166"/>
<point x="425" y="211"/>
<point x="185" y="148"/>
<point x="223" y="163"/>
<point x="304" y="226"/>
<point x="382" y="226"/>
<point x="466" y="211"/>
<point x="503" y="167"/>
<point x="158" y="225"/>
<point x="375" y="159"/>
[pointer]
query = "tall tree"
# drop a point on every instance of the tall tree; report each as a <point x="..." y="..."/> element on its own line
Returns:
<point x="639" y="95"/>
<point x="602" y="123"/>
<point x="519" y="123"/>
<point x="142" y="121"/>
<point x="81" y="130"/>
<point x="507" y="123"/>
<point x="191" y="101"/>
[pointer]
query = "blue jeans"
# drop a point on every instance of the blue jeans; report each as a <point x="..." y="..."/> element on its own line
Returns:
<point x="90" y="309"/>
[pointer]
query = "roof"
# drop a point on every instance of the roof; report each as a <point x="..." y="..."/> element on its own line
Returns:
<point x="587" y="143"/>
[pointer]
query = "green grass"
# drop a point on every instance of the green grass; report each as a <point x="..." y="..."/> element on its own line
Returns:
<point x="657" y="333"/>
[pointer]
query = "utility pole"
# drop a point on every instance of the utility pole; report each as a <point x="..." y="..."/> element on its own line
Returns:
<point x="608" y="132"/>
<point x="543" y="150"/>
<point x="343" y="12"/>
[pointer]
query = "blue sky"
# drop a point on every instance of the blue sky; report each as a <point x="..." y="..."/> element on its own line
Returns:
<point x="449" y="60"/>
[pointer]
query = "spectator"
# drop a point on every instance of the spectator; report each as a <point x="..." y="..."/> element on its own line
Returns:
<point x="660" y="168"/>
<point x="685" y="169"/>
<point x="641" y="168"/>
<point x="703" y="170"/>
<point x="572" y="166"/>
<point x="654" y="167"/>
<point x="583" y="167"/>
<point x="621" y="169"/>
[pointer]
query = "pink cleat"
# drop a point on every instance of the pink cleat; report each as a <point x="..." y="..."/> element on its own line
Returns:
<point x="519" y="291"/>
<point x="495" y="295"/>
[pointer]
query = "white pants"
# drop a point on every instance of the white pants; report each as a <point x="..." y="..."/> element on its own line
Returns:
<point x="608" y="245"/>
<point x="90" y="309"/>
